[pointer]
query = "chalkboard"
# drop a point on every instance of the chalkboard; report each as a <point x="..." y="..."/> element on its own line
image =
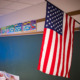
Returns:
<point x="19" y="55"/>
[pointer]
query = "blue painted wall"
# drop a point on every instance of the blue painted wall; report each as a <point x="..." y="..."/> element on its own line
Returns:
<point x="19" y="55"/>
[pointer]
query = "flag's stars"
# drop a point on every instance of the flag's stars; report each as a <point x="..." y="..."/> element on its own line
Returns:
<point x="51" y="26"/>
<point x="47" y="16"/>
<point x="56" y="23"/>
<point x="47" y="20"/>
<point x="55" y="8"/>
<point x="54" y="19"/>
<point x="49" y="23"/>
<point x="48" y="7"/>
<point x="48" y="12"/>
<point x="55" y="12"/>
<point x="46" y="25"/>
<point x="52" y="6"/>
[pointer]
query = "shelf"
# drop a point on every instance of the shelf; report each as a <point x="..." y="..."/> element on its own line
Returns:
<point x="28" y="33"/>
<point x="21" y="33"/>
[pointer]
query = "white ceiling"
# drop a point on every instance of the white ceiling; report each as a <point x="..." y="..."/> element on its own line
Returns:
<point x="9" y="6"/>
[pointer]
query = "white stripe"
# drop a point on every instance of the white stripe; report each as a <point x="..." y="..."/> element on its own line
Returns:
<point x="60" y="68"/>
<point x="66" y="47"/>
<point x="69" y="64"/>
<point x="51" y="53"/>
<point x="57" y="56"/>
<point x="69" y="61"/>
<point x="71" y="44"/>
<point x="67" y="75"/>
<point x="44" y="48"/>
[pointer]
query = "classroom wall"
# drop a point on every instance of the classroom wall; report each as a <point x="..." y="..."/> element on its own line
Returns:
<point x="19" y="55"/>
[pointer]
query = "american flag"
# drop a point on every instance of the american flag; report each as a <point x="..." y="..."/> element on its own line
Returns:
<point x="57" y="44"/>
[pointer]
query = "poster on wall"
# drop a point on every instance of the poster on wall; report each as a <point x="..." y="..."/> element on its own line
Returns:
<point x="0" y="30"/>
<point x="3" y="30"/>
<point x="11" y="76"/>
<point x="2" y="76"/>
<point x="29" y="26"/>
<point x="10" y="29"/>
<point x="7" y="76"/>
<point x="18" y="27"/>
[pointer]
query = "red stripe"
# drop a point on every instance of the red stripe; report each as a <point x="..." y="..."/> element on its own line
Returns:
<point x="48" y="51"/>
<point x="73" y="34"/>
<point x="38" y="68"/>
<point x="69" y="74"/>
<point x="73" y="29"/>
<point x="65" y="34"/>
<point x="59" y="60"/>
<point x="54" y="55"/>
<point x="69" y="47"/>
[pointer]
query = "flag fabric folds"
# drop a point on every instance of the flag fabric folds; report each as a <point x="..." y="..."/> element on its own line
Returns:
<point x="57" y="44"/>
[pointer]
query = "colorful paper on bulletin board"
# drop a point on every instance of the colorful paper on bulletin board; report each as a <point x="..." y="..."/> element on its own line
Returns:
<point x="10" y="29"/>
<point x="0" y="30"/>
<point x="29" y="26"/>
<point x="3" y="30"/>
<point x="18" y="27"/>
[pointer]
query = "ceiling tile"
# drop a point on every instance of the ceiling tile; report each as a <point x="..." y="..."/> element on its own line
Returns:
<point x="8" y="6"/>
<point x="11" y="0"/>
<point x="31" y="1"/>
<point x="1" y="14"/>
<point x="6" y="11"/>
<point x="17" y="6"/>
<point x="4" y="3"/>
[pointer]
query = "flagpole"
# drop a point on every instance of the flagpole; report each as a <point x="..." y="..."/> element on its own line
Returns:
<point x="68" y="14"/>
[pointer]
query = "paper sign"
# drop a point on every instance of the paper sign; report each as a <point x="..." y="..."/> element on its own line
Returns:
<point x="10" y="29"/>
<point x="3" y="30"/>
<point x="29" y="26"/>
<point x="18" y="27"/>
